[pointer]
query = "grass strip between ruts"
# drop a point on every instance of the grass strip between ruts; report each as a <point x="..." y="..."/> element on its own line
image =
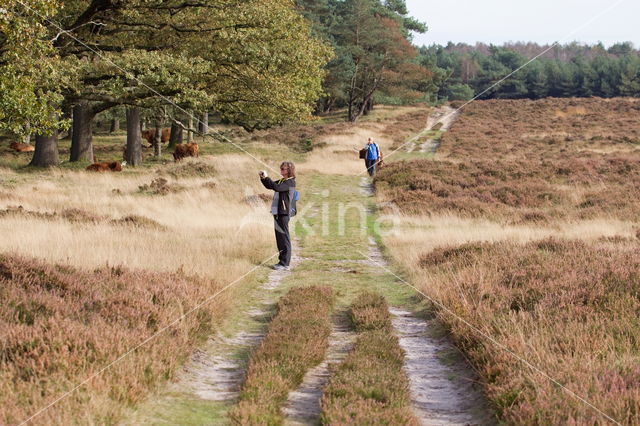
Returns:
<point x="370" y="386"/>
<point x="296" y="341"/>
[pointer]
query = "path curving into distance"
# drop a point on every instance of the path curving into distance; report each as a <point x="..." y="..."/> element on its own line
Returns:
<point x="445" y="115"/>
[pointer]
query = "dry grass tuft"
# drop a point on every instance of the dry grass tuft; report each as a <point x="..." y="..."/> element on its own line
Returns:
<point x="160" y="186"/>
<point x="296" y="341"/>
<point x="139" y="221"/>
<point x="190" y="169"/>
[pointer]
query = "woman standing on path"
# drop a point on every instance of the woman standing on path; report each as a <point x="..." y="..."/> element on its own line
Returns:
<point x="372" y="157"/>
<point x="282" y="209"/>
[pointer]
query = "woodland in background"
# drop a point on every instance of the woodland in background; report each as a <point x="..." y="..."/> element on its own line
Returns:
<point x="462" y="71"/>
<point x="251" y="63"/>
<point x="374" y="60"/>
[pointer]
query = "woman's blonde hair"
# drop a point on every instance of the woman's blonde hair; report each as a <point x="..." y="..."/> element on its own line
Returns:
<point x="291" y="167"/>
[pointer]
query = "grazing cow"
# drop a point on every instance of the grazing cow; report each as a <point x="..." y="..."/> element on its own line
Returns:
<point x="166" y="134"/>
<point x="22" y="147"/>
<point x="148" y="135"/>
<point x="186" y="150"/>
<point x="105" y="167"/>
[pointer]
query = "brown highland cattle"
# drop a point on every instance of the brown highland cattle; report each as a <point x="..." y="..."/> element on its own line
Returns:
<point x="185" y="150"/>
<point x="22" y="147"/>
<point x="105" y="167"/>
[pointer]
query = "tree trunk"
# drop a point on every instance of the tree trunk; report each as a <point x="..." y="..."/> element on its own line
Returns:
<point x="81" y="142"/>
<point x="368" y="106"/>
<point x="157" y="140"/>
<point x="189" y="132"/>
<point x="133" y="153"/>
<point x="328" y="105"/>
<point x="27" y="136"/>
<point x="350" y="111"/>
<point x="46" y="152"/>
<point x="176" y="135"/>
<point x="203" y="125"/>
<point x="115" y="125"/>
<point x="70" y="131"/>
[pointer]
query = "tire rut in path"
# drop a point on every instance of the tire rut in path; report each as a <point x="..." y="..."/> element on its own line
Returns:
<point x="215" y="371"/>
<point x="445" y="115"/>
<point x="303" y="404"/>
<point x="218" y="378"/>
<point x="441" y="393"/>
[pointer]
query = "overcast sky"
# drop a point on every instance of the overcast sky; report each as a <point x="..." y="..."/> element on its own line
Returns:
<point x="541" y="21"/>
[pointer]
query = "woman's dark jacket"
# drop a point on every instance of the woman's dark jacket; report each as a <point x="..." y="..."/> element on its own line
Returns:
<point x="284" y="189"/>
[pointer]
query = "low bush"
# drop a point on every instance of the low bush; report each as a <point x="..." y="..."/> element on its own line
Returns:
<point x="569" y="307"/>
<point x="59" y="326"/>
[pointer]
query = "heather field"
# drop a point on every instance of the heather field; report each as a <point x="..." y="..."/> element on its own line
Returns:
<point x="520" y="235"/>
<point x="93" y="265"/>
<point x="524" y="232"/>
<point x="529" y="161"/>
<point x="61" y="324"/>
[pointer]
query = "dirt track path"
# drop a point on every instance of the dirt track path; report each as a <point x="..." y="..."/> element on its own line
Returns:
<point x="338" y="247"/>
<point x="445" y="115"/>
<point x="303" y="405"/>
<point x="444" y="390"/>
<point x="209" y="383"/>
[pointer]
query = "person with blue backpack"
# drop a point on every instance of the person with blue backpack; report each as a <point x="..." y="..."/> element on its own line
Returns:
<point x="283" y="207"/>
<point x="372" y="156"/>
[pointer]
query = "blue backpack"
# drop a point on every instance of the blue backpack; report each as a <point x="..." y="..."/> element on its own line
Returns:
<point x="294" y="208"/>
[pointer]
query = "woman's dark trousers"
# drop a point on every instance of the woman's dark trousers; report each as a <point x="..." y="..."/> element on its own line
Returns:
<point x="283" y="240"/>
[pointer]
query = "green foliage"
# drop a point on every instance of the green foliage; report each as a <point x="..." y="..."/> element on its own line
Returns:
<point x="252" y="62"/>
<point x="30" y="73"/>
<point x="565" y="71"/>
<point x="460" y="92"/>
<point x="374" y="58"/>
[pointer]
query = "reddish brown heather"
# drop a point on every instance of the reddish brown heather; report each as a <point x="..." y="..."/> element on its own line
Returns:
<point x="59" y="325"/>
<point x="296" y="341"/>
<point x="400" y="128"/>
<point x="370" y="386"/>
<point x="507" y="159"/>
<point x="370" y="312"/>
<point x="568" y="307"/>
<point x="525" y="129"/>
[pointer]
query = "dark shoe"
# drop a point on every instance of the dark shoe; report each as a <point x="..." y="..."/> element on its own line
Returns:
<point x="280" y="267"/>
